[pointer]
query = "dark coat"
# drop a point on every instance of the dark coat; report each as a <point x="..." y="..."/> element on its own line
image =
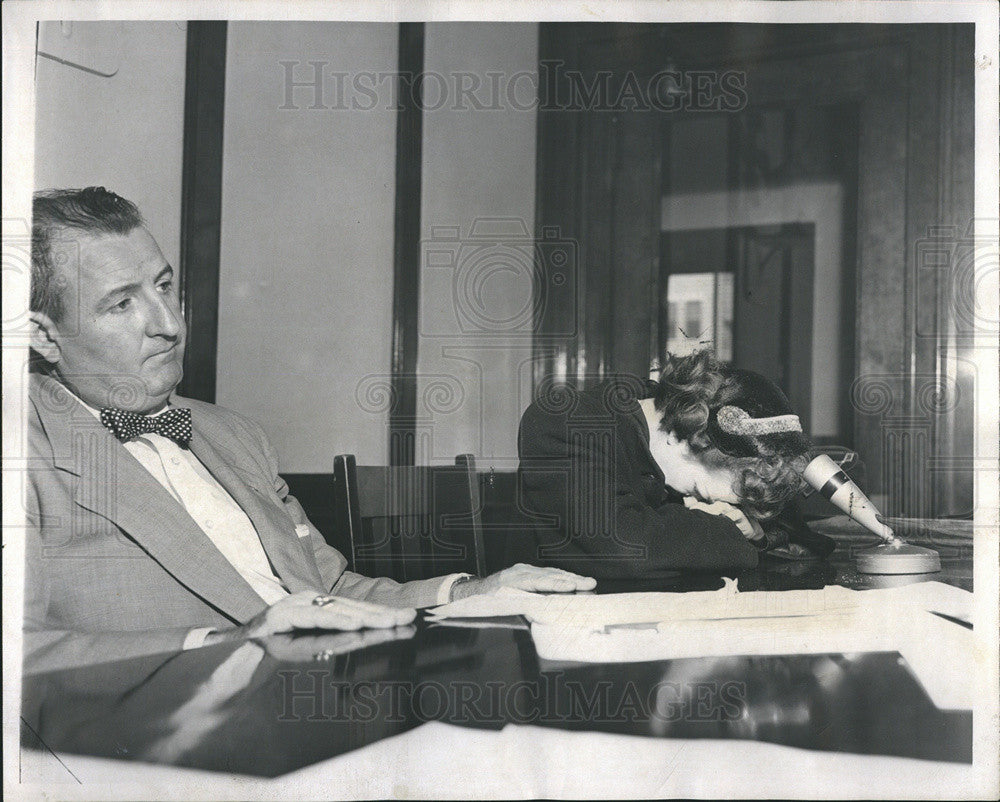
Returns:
<point x="599" y="504"/>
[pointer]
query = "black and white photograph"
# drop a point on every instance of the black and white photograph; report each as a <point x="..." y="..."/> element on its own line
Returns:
<point x="449" y="400"/>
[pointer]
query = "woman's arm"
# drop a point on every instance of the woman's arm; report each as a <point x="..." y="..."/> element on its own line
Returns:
<point x="600" y="522"/>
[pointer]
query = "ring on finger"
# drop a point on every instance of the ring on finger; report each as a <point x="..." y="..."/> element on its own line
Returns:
<point x="323" y="600"/>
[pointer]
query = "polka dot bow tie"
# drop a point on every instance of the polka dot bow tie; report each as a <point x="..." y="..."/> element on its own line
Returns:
<point x="174" y="423"/>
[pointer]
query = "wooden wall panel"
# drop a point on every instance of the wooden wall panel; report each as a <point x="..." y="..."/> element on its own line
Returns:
<point x="201" y="203"/>
<point x="913" y="91"/>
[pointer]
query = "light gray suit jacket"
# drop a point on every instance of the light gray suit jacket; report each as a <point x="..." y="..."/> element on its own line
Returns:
<point x="116" y="567"/>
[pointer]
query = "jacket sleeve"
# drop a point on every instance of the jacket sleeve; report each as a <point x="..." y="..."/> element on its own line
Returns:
<point x="46" y="648"/>
<point x="53" y="650"/>
<point x="418" y="593"/>
<point x="591" y="517"/>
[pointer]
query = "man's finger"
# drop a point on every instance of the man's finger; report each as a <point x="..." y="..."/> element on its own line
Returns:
<point x="342" y="617"/>
<point x="376" y="620"/>
<point x="361" y="606"/>
<point x="303" y="597"/>
<point x="550" y="583"/>
<point x="544" y="583"/>
<point x="400" y="615"/>
<point x="568" y="574"/>
<point x="373" y="615"/>
<point x="326" y="618"/>
<point x="554" y="579"/>
<point x="403" y="615"/>
<point x="545" y="570"/>
<point x="578" y="581"/>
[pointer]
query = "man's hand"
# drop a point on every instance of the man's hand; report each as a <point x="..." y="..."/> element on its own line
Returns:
<point x="750" y="528"/>
<point x="299" y="612"/>
<point x="526" y="577"/>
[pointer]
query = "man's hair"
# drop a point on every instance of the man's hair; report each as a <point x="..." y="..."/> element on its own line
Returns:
<point x="690" y="392"/>
<point x="93" y="210"/>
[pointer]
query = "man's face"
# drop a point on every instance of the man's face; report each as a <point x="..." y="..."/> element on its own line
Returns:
<point x="126" y="346"/>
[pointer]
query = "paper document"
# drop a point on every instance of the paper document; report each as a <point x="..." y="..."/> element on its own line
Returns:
<point x="599" y="611"/>
<point x="637" y="627"/>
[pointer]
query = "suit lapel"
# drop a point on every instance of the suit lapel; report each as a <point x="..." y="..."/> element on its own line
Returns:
<point x="275" y="529"/>
<point x="111" y="483"/>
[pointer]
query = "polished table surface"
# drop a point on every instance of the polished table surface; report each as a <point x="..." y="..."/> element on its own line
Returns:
<point x="271" y="707"/>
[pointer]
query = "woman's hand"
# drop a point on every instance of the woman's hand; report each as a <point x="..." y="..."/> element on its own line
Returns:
<point x="751" y="530"/>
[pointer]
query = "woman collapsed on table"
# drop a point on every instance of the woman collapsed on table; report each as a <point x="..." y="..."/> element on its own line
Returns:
<point x="696" y="471"/>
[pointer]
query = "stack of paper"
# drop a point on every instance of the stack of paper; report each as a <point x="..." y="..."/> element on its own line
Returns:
<point x="600" y="611"/>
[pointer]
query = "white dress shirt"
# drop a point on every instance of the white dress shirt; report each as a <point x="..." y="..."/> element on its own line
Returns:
<point x="209" y="504"/>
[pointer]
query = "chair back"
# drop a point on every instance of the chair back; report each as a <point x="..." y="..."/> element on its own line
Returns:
<point x="409" y="522"/>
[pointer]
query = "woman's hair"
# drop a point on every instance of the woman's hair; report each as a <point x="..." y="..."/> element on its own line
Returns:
<point x="690" y="392"/>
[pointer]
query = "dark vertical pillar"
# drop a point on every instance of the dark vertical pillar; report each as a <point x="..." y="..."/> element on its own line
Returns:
<point x="406" y="255"/>
<point x="201" y="203"/>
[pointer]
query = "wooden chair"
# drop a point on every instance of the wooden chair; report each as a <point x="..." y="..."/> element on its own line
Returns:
<point x="409" y="522"/>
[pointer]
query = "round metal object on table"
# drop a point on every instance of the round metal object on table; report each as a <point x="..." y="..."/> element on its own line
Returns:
<point x="897" y="557"/>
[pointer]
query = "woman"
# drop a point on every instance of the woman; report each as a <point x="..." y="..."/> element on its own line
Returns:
<point x="697" y="471"/>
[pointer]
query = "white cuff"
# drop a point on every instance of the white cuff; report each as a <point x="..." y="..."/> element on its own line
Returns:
<point x="444" y="589"/>
<point x="196" y="638"/>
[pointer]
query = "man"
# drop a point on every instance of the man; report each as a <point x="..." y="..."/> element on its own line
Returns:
<point x="156" y="522"/>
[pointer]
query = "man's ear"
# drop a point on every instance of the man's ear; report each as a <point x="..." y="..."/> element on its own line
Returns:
<point x="45" y="337"/>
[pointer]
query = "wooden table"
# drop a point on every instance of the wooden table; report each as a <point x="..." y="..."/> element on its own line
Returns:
<point x="272" y="708"/>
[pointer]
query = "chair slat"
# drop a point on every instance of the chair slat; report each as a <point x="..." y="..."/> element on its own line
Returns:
<point x="410" y="522"/>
